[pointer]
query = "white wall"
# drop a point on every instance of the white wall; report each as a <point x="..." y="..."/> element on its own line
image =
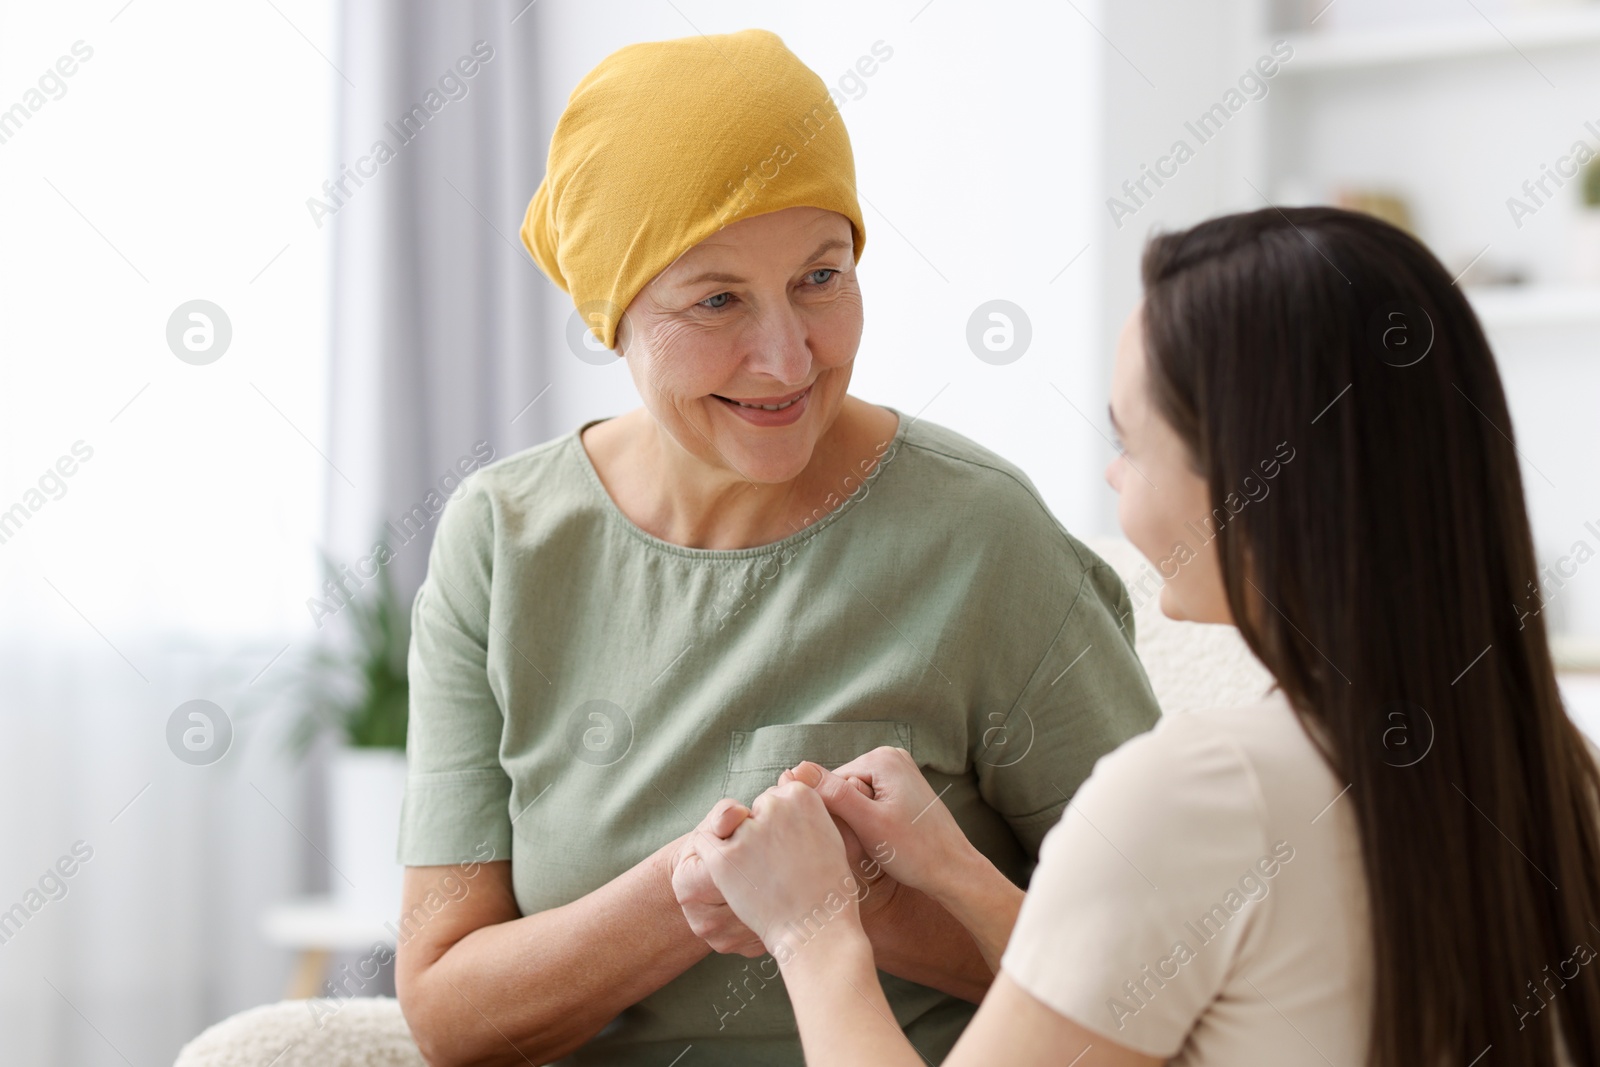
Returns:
<point x="975" y="149"/>
<point x="1172" y="62"/>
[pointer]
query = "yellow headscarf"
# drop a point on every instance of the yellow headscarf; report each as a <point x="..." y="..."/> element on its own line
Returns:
<point x="665" y="143"/>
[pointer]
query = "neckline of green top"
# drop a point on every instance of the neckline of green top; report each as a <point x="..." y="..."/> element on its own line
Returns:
<point x="616" y="515"/>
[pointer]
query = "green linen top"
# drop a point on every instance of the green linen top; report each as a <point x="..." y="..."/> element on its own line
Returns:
<point x="583" y="692"/>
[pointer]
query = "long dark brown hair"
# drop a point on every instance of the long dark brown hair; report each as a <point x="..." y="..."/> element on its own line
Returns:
<point x="1390" y="587"/>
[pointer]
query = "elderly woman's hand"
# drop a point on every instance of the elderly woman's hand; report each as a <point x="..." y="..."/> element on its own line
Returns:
<point x="706" y="910"/>
<point x="703" y="905"/>
<point x="783" y="869"/>
<point x="883" y="797"/>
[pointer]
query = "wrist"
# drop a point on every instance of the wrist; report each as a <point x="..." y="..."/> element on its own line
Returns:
<point x="663" y="864"/>
<point x="880" y="903"/>
<point x="842" y="943"/>
<point x="962" y="876"/>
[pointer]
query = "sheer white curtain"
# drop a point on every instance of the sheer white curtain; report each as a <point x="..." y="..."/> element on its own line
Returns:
<point x="157" y="516"/>
<point x="437" y="353"/>
<point x="379" y="312"/>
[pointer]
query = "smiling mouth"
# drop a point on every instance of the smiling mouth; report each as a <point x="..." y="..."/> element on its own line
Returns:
<point x="766" y="403"/>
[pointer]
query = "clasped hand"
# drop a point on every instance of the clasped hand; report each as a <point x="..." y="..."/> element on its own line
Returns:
<point x="817" y="847"/>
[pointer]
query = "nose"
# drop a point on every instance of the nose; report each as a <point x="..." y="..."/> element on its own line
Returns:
<point x="779" y="349"/>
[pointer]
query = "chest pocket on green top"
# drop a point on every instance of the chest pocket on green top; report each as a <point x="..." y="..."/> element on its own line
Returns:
<point x="757" y="757"/>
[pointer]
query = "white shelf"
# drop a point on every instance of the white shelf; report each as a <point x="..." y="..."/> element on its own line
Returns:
<point x="1341" y="50"/>
<point x="1535" y="306"/>
<point x="1578" y="655"/>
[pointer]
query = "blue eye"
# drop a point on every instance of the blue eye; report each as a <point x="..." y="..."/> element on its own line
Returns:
<point x="824" y="270"/>
<point x="718" y="301"/>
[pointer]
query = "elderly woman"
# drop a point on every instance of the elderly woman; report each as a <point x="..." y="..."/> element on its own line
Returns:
<point x="665" y="608"/>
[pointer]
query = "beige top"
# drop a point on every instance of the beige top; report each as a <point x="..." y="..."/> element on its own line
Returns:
<point x="1203" y="899"/>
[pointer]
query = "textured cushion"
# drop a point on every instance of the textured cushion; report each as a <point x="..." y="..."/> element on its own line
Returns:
<point x="358" y="1032"/>
<point x="1191" y="665"/>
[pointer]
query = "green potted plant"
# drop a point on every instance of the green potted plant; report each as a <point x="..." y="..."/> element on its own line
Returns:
<point x="358" y="692"/>
<point x="353" y="691"/>
<point x="1586" y="227"/>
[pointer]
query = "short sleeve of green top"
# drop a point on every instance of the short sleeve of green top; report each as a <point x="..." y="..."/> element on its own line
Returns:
<point x="583" y="692"/>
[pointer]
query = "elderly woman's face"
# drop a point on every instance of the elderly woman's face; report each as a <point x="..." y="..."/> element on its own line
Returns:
<point x="764" y="314"/>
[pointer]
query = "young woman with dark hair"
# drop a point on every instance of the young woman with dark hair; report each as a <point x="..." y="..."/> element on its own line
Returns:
<point x="1393" y="859"/>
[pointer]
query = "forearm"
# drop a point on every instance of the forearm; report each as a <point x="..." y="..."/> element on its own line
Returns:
<point x="537" y="988"/>
<point x="985" y="903"/>
<point x="918" y="939"/>
<point x="843" y="1016"/>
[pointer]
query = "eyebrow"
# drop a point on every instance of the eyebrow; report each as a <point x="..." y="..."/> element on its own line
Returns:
<point x="717" y="276"/>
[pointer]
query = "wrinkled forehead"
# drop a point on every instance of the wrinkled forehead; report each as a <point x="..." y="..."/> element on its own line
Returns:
<point x="780" y="242"/>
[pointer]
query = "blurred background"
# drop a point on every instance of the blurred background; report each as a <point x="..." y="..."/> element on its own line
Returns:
<point x="245" y="347"/>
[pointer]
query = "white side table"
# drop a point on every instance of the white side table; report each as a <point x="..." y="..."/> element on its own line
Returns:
<point x="316" y="926"/>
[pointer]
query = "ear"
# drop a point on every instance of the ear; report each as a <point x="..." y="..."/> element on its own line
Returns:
<point x="624" y="336"/>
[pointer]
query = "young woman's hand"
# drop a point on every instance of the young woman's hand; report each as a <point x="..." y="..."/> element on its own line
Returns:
<point x="878" y="889"/>
<point x="783" y="870"/>
<point x="904" y="826"/>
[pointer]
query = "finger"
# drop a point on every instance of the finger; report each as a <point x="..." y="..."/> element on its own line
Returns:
<point x="865" y="767"/>
<point x="725" y="817"/>
<point x="786" y="789"/>
<point x="692" y="885"/>
<point x="717" y="810"/>
<point x="718" y="866"/>
<point x="844" y="797"/>
<point x="856" y="771"/>
<point x="855" y="853"/>
<point x="880" y="761"/>
<point x="725" y="933"/>
<point x="884" y="770"/>
<point x="691" y="879"/>
<point x="807" y="773"/>
<point x="814" y="775"/>
<point x="719" y="927"/>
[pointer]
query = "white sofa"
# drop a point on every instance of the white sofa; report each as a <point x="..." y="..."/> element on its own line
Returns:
<point x="1191" y="666"/>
